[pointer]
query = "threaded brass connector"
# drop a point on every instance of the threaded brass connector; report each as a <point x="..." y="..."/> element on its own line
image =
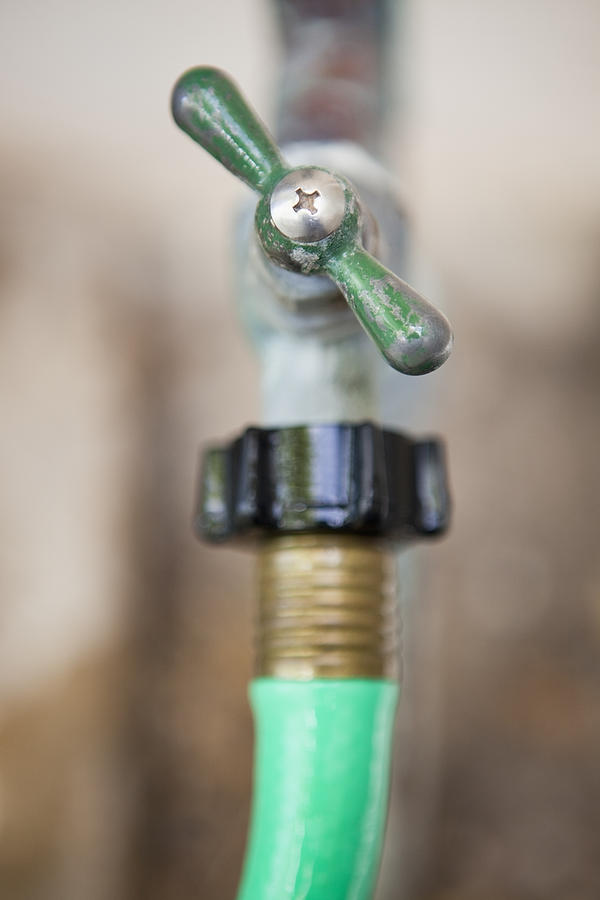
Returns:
<point x="326" y="608"/>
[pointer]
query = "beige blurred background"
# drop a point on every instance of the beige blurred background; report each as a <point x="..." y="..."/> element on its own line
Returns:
<point x="125" y="646"/>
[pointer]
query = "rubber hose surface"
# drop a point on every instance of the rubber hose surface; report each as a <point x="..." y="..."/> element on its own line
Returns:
<point x="321" y="783"/>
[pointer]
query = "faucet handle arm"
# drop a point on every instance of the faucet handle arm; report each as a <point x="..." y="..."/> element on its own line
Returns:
<point x="412" y="335"/>
<point x="208" y="106"/>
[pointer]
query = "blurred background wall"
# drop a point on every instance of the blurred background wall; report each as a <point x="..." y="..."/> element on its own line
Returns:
<point x="125" y="647"/>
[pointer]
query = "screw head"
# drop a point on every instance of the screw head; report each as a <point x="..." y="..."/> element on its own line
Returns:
<point x="308" y="204"/>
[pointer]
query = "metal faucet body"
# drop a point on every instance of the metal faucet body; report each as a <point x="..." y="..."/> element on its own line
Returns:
<point x="322" y="493"/>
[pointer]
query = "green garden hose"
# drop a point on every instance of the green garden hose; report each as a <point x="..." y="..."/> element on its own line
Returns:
<point x="321" y="779"/>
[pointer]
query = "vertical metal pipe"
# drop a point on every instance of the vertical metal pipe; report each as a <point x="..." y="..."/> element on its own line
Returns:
<point x="332" y="78"/>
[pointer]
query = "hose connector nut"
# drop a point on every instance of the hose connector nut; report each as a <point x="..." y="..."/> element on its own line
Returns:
<point x="344" y="478"/>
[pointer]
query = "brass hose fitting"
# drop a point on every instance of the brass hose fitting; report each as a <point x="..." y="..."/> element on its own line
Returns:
<point x="324" y="505"/>
<point x="326" y="608"/>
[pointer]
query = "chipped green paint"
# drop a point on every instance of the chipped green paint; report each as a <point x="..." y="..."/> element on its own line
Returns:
<point x="411" y="334"/>
<point x="390" y="311"/>
<point x="208" y="106"/>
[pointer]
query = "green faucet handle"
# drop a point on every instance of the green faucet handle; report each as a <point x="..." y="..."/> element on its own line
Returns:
<point x="208" y="106"/>
<point x="310" y="220"/>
